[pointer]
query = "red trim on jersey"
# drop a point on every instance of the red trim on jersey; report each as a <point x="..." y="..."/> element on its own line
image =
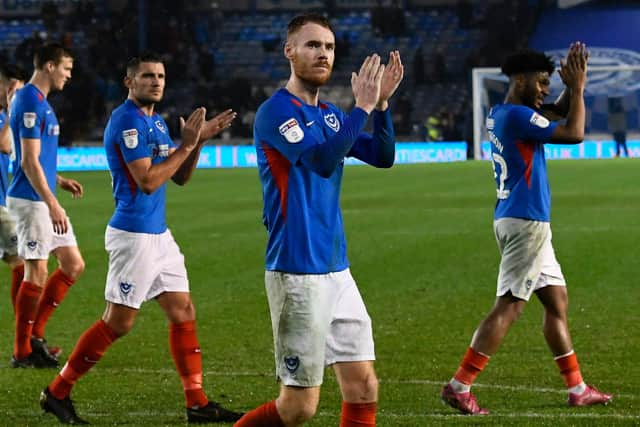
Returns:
<point x="132" y="182"/>
<point x="296" y="102"/>
<point x="40" y="96"/>
<point x="526" y="151"/>
<point x="323" y="106"/>
<point x="279" y="166"/>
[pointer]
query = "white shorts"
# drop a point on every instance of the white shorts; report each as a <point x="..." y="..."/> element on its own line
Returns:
<point x="317" y="320"/>
<point x="142" y="266"/>
<point x="8" y="236"/>
<point x="528" y="259"/>
<point x="36" y="238"/>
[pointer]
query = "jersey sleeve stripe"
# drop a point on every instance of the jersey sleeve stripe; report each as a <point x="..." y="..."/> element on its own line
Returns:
<point x="279" y="166"/>
<point x="132" y="183"/>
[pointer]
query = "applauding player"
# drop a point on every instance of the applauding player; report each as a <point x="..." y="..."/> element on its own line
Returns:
<point x="518" y="130"/>
<point x="318" y="316"/>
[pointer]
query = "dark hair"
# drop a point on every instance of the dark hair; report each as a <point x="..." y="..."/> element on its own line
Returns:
<point x="50" y="52"/>
<point x="134" y="63"/>
<point x="12" y="71"/>
<point x="527" y="61"/>
<point x="297" y="22"/>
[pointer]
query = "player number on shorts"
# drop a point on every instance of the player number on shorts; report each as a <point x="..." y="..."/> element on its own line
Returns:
<point x="499" y="160"/>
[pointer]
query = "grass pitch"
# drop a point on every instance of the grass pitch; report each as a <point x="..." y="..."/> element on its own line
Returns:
<point x="422" y="251"/>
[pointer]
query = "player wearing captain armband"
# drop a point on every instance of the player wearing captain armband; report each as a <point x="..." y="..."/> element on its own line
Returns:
<point x="518" y="130"/>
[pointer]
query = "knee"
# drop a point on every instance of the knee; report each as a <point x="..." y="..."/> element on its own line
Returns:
<point x="184" y="311"/>
<point x="73" y="268"/>
<point x="364" y="389"/>
<point x="120" y="326"/>
<point x="296" y="413"/>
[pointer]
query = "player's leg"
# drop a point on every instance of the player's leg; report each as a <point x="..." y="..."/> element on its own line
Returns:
<point x="26" y="353"/>
<point x="359" y="387"/>
<point x="116" y="322"/>
<point x="70" y="267"/>
<point x="9" y="250"/>
<point x="16" y="265"/>
<point x="556" y="333"/>
<point x="171" y="290"/>
<point x="300" y="307"/>
<point x="350" y="351"/>
<point x="519" y="242"/>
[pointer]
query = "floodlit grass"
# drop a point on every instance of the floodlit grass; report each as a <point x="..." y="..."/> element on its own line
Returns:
<point x="423" y="253"/>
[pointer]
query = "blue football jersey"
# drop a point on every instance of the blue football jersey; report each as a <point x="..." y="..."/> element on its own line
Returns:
<point x="131" y="135"/>
<point x="4" y="166"/>
<point x="518" y="134"/>
<point x="32" y="117"/>
<point x="301" y="208"/>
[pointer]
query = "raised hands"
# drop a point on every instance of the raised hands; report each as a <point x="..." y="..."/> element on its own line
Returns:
<point x="217" y="124"/>
<point x="366" y="83"/>
<point x="391" y="78"/>
<point x="573" y="69"/>
<point x="192" y="128"/>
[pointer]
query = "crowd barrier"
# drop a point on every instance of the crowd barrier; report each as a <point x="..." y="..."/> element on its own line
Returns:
<point x="244" y="156"/>
<point x="586" y="150"/>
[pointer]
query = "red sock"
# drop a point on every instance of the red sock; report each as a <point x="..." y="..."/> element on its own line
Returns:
<point x="570" y="369"/>
<point x="185" y="351"/>
<point x="472" y="364"/>
<point x="263" y="416"/>
<point x="358" y="414"/>
<point x="17" y="274"/>
<point x="88" y="351"/>
<point x="54" y="291"/>
<point x="26" y="303"/>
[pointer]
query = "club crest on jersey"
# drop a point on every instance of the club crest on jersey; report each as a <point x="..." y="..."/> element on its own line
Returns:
<point x="160" y="126"/>
<point x="332" y="121"/>
<point x="125" y="287"/>
<point x="538" y="120"/>
<point x="292" y="363"/>
<point x="29" y="120"/>
<point x="130" y="137"/>
<point x="291" y="131"/>
<point x="32" y="244"/>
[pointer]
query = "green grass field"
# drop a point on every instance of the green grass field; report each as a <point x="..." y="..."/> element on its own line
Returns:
<point x="423" y="253"/>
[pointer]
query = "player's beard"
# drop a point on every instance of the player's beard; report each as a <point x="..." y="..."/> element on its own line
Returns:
<point x="146" y="101"/>
<point x="305" y="73"/>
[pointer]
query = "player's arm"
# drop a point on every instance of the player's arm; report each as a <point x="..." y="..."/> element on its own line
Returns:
<point x="71" y="185"/>
<point x="150" y="177"/>
<point x="5" y="138"/>
<point x="323" y="159"/>
<point x="32" y="168"/>
<point x="559" y="109"/>
<point x="210" y="128"/>
<point x="379" y="149"/>
<point x="574" y="74"/>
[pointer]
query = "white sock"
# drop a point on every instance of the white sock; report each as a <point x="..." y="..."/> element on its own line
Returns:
<point x="459" y="387"/>
<point x="578" y="389"/>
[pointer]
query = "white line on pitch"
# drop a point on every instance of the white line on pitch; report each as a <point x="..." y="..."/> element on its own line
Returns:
<point x="382" y="380"/>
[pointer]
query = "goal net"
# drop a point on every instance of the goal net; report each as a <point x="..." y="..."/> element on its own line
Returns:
<point x="612" y="96"/>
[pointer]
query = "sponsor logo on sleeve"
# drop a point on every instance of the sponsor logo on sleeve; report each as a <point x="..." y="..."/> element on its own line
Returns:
<point x="53" y="130"/>
<point x="130" y="137"/>
<point x="292" y="131"/>
<point x="332" y="121"/>
<point x="29" y="120"/>
<point x="490" y="123"/>
<point x="538" y="120"/>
